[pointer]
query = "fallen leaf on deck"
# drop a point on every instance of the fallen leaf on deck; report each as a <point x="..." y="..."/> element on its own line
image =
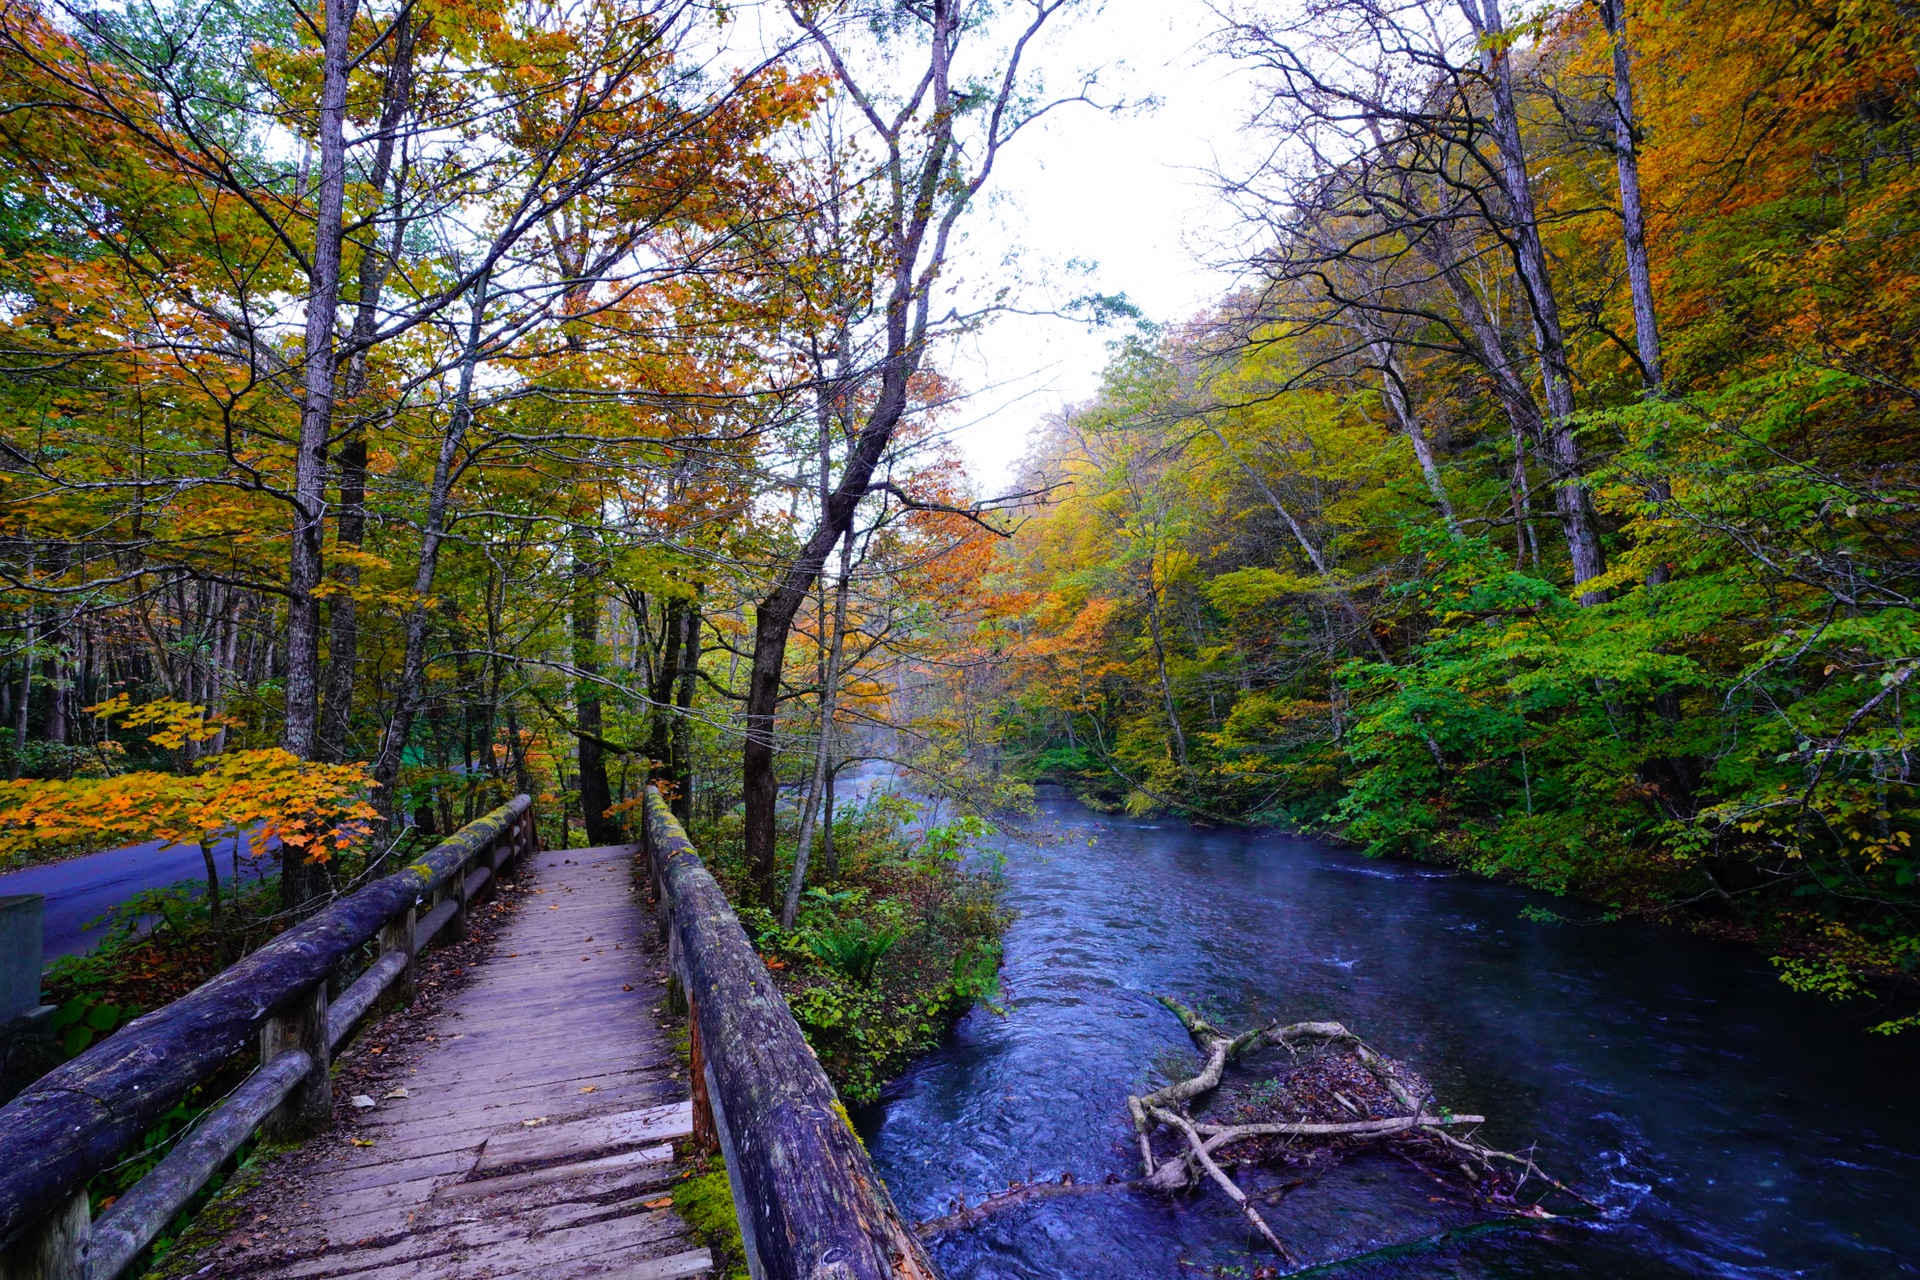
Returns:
<point x="536" y="1120"/>
<point x="361" y="1142"/>
<point x="396" y="1093"/>
<point x="661" y="1203"/>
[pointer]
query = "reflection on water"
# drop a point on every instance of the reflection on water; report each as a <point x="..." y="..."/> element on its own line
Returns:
<point x="1731" y="1127"/>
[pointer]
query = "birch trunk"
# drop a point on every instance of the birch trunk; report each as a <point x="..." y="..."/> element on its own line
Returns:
<point x="350" y="523"/>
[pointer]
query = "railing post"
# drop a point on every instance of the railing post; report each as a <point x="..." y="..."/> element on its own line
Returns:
<point x="704" y="1136"/>
<point x="302" y="1025"/>
<point x="56" y="1249"/>
<point x="397" y="935"/>
<point x="455" y="888"/>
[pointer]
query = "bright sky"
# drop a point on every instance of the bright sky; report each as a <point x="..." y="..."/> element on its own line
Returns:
<point x="1128" y="192"/>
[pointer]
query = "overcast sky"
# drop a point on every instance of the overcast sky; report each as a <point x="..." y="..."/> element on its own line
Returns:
<point x="1127" y="192"/>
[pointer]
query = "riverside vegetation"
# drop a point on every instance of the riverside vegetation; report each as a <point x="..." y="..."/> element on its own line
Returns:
<point x="1545" y="501"/>
<point x="900" y="938"/>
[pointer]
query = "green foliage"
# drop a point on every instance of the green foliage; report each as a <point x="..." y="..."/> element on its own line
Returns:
<point x="853" y="949"/>
<point x="1312" y="565"/>
<point x="880" y="962"/>
<point x="81" y="1020"/>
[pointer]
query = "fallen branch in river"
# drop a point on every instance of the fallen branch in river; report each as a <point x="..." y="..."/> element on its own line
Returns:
<point x="1337" y="1092"/>
<point x="969" y="1215"/>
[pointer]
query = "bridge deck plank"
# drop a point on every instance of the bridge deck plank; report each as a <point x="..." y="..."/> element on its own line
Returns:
<point x="530" y="1140"/>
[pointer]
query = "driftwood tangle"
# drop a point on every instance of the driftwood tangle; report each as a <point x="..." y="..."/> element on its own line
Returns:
<point x="1381" y="1102"/>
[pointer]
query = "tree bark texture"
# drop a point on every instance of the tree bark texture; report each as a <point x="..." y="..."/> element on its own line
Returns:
<point x="1633" y="217"/>
<point x="822" y="761"/>
<point x="680" y="759"/>
<point x="305" y="553"/>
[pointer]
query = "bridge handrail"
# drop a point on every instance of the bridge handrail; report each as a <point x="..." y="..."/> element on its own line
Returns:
<point x="810" y="1205"/>
<point x="80" y="1118"/>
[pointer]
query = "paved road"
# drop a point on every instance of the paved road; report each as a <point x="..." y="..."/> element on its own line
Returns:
<point x="81" y="890"/>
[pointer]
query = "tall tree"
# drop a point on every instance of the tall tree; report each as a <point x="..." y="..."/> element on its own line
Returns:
<point x="938" y="133"/>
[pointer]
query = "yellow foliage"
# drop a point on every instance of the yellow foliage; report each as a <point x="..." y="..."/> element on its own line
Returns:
<point x="271" y="794"/>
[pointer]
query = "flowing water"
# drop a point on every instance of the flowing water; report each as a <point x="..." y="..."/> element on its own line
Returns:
<point x="1729" y="1126"/>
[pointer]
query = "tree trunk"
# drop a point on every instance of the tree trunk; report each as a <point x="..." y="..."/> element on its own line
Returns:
<point x="56" y="718"/>
<point x="305" y="558"/>
<point x="829" y="856"/>
<point x="773" y="620"/>
<point x="1571" y="498"/>
<point x="1395" y="392"/>
<point x="23" y="702"/>
<point x="343" y="611"/>
<point x="409" y="694"/>
<point x="660" y="690"/>
<point x="1626" y="158"/>
<point x="213" y="879"/>
<point x="1177" y="738"/>
<point x="596" y="797"/>
<point x="680" y="759"/>
<point x="829" y="686"/>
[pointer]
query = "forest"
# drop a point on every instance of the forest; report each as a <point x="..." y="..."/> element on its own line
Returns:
<point x="408" y="403"/>
<point x="474" y="399"/>
<point x="1542" y="503"/>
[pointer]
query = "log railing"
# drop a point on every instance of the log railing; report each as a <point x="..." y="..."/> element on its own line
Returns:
<point x="809" y="1203"/>
<point x="83" y="1117"/>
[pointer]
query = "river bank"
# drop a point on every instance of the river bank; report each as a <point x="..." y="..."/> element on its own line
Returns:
<point x="1729" y="1128"/>
<point x="1811" y="949"/>
<point x="888" y="947"/>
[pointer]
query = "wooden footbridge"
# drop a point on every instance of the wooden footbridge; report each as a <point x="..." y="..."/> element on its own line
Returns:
<point x="538" y="1128"/>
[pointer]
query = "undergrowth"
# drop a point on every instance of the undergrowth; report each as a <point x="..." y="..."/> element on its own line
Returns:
<point x="885" y="956"/>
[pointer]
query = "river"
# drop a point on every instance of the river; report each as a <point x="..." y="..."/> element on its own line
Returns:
<point x="1730" y="1127"/>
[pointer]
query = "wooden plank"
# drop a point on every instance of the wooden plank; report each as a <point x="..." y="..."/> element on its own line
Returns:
<point x="487" y="1109"/>
<point x="453" y="1186"/>
<point x="578" y="1139"/>
<point x="697" y="1262"/>
<point x="555" y="1255"/>
<point x="410" y="1207"/>
<point x="645" y="1161"/>
<point x="460" y="1113"/>
<point x="638" y="1225"/>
